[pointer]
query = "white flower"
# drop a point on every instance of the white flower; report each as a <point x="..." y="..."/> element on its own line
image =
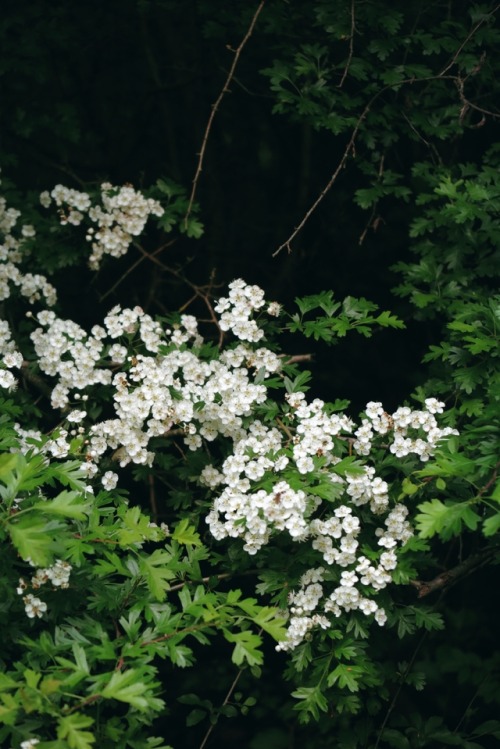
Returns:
<point x="13" y="360"/>
<point x="274" y="309"/>
<point x="434" y="406"/>
<point x="76" y="416"/>
<point x="109" y="480"/>
<point x="7" y="380"/>
<point x="45" y="199"/>
<point x="29" y="743"/>
<point x="34" y="606"/>
<point x="59" y="574"/>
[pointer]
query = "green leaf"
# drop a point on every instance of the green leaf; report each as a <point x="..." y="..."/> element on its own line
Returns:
<point x="8" y="463"/>
<point x="70" y="474"/>
<point x="323" y="300"/>
<point x="195" y="717"/>
<point x="125" y="686"/>
<point x="186" y="534"/>
<point x="6" y="682"/>
<point x="80" y="658"/>
<point x="9" y="707"/>
<point x="194" y="228"/>
<point x="496" y="492"/>
<point x="425" y="617"/>
<point x="345" y="676"/>
<point x="271" y="622"/>
<point x="491" y="525"/>
<point x="68" y="504"/>
<point x="312" y="701"/>
<point x="387" y="320"/>
<point x="70" y="728"/>
<point x="33" y="538"/>
<point x="408" y="487"/>
<point x="156" y="569"/>
<point x="445" y="519"/>
<point x="395" y="739"/>
<point x="246" y="647"/>
<point x="135" y="527"/>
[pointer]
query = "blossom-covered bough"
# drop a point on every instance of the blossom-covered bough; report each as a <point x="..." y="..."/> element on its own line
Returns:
<point x="155" y="391"/>
<point x="276" y="476"/>
<point x="276" y="468"/>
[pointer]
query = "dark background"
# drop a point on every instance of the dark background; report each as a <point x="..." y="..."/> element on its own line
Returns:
<point x="122" y="91"/>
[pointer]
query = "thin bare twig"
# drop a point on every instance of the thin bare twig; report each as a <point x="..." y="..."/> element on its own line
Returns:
<point x="466" y="712"/>
<point x="373" y="221"/>
<point x="215" y="107"/>
<point x="226" y="700"/>
<point x="152" y="497"/>
<point x="467" y="104"/>
<point x="221" y="576"/>
<point x="350" y="147"/>
<point x="201" y="292"/>
<point x="134" y="266"/>
<point x="467" y="40"/>
<point x="351" y="45"/>
<point x="333" y="178"/>
<point x="399" y="688"/>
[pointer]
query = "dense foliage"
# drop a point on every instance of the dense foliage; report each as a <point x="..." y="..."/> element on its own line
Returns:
<point x="194" y="527"/>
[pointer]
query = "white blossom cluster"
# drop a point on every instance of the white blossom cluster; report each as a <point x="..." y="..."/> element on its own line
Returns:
<point x="55" y="446"/>
<point x="58" y="575"/>
<point x="414" y="432"/>
<point x="236" y="310"/>
<point x="152" y="392"/>
<point x="242" y="509"/>
<point x="66" y="351"/>
<point x="33" y="287"/>
<point x="346" y="596"/>
<point x="121" y="216"/>
<point x="11" y="360"/>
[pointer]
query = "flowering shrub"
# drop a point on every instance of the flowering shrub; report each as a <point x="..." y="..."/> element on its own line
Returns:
<point x="101" y="587"/>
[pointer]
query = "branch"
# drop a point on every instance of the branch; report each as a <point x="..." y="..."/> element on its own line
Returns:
<point x="295" y="358"/>
<point x="221" y="576"/>
<point x="226" y="700"/>
<point x="186" y="630"/>
<point x="215" y="107"/>
<point x="34" y="379"/>
<point x="134" y="266"/>
<point x="349" y="148"/>
<point x="491" y="480"/>
<point x="201" y="292"/>
<point x="352" y="140"/>
<point x="449" y="577"/>
<point x="340" y="166"/>
<point x="351" y="45"/>
<point x="467" y="39"/>
<point x="467" y="104"/>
